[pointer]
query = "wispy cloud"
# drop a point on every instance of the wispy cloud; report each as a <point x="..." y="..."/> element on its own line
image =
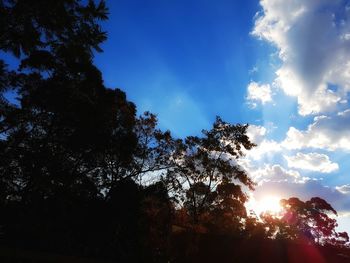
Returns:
<point x="344" y="189"/>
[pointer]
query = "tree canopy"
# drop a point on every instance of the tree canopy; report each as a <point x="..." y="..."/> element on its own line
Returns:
<point x="206" y="177"/>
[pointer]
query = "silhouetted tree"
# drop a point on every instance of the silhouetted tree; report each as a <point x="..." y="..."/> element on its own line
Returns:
<point x="206" y="177"/>
<point x="55" y="137"/>
<point x="254" y="228"/>
<point x="311" y="220"/>
<point x="156" y="222"/>
<point x="150" y="159"/>
<point x="276" y="228"/>
<point x="61" y="117"/>
<point x="71" y="149"/>
<point x="229" y="210"/>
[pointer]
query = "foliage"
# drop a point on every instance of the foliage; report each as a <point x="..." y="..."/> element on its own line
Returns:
<point x="206" y="177"/>
<point x="151" y="154"/>
<point x="311" y="220"/>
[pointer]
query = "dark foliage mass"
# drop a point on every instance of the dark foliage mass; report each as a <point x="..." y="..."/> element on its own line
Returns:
<point x="81" y="176"/>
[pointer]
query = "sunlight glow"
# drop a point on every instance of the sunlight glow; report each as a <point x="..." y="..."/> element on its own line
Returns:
<point x="269" y="204"/>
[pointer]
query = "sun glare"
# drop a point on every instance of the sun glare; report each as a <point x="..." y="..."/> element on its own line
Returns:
<point x="269" y="204"/>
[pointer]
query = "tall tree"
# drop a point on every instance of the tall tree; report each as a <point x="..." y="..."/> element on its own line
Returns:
<point x="54" y="137"/>
<point x="312" y="220"/>
<point x="65" y="118"/>
<point x="206" y="177"/>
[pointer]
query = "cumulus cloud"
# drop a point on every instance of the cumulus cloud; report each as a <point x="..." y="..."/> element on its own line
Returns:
<point x="264" y="148"/>
<point x="325" y="132"/>
<point x="274" y="173"/>
<point x="312" y="161"/>
<point x="313" y="41"/>
<point x="256" y="133"/>
<point x="258" y="93"/>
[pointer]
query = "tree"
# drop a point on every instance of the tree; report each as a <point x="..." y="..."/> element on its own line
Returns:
<point x="65" y="122"/>
<point x="149" y="160"/>
<point x="55" y="136"/>
<point x="309" y="220"/>
<point x="54" y="86"/>
<point x="155" y="221"/>
<point x="72" y="150"/>
<point x="206" y="177"/>
<point x="275" y="228"/>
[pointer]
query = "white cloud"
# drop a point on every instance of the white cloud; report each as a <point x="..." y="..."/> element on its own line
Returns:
<point x="265" y="147"/>
<point x="343" y="221"/>
<point x="312" y="161"/>
<point x="274" y="173"/>
<point x="344" y="189"/>
<point x="325" y="132"/>
<point x="256" y="133"/>
<point x="258" y="93"/>
<point x="312" y="38"/>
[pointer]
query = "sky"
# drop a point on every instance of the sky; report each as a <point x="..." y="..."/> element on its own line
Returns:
<point x="283" y="66"/>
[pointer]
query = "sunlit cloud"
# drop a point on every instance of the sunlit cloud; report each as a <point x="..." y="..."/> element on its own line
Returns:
<point x="258" y="93"/>
<point x="265" y="147"/>
<point x="274" y="173"/>
<point x="312" y="161"/>
<point x="313" y="44"/>
<point x="344" y="221"/>
<point x="256" y="133"/>
<point x="325" y="132"/>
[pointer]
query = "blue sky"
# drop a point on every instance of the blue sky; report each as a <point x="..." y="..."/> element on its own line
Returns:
<point x="187" y="61"/>
<point x="280" y="65"/>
